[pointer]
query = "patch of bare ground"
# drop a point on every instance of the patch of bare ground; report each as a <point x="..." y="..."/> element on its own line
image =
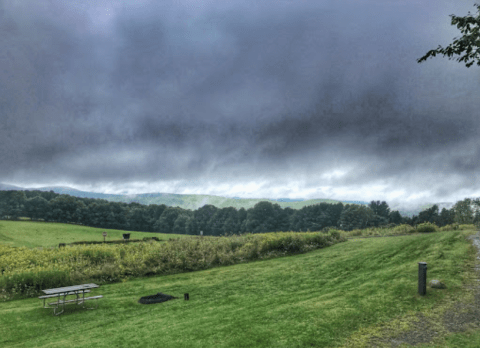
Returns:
<point x="454" y="316"/>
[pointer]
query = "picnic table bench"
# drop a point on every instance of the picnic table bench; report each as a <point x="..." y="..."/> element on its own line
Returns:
<point x="77" y="290"/>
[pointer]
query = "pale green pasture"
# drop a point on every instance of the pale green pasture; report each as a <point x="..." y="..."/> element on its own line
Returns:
<point x="47" y="234"/>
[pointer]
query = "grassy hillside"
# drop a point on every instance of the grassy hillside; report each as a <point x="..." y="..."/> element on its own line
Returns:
<point x="47" y="234"/>
<point x="193" y="202"/>
<point x="337" y="296"/>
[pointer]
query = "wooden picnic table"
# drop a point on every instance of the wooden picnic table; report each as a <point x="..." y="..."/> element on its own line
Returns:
<point x="77" y="290"/>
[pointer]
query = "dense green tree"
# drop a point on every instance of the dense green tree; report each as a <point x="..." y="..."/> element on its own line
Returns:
<point x="282" y="218"/>
<point x="216" y="222"/>
<point x="380" y="208"/>
<point x="224" y="221"/>
<point x="262" y="217"/>
<point x="3" y="208"/>
<point x="230" y="226"/>
<point x="14" y="204"/>
<point x="315" y="217"/>
<point x="94" y="216"/>
<point x="468" y="43"/>
<point x="356" y="217"/>
<point x="242" y="220"/>
<point x="298" y="220"/>
<point x="152" y="214"/>
<point x="138" y="219"/>
<point x="202" y="217"/>
<point x="191" y="226"/>
<point x="381" y="213"/>
<point x="464" y="212"/>
<point x="311" y="218"/>
<point x="412" y="221"/>
<point x="65" y="207"/>
<point x="335" y="211"/>
<point x="429" y="215"/>
<point x="476" y="209"/>
<point x="179" y="226"/>
<point x="36" y="207"/>
<point x="446" y="217"/>
<point x="166" y="221"/>
<point x="395" y="218"/>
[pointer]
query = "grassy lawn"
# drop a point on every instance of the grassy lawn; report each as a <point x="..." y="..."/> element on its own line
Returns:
<point x="48" y="234"/>
<point x="324" y="298"/>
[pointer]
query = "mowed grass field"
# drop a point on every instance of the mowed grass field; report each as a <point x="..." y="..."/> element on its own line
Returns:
<point x="338" y="296"/>
<point x="49" y="234"/>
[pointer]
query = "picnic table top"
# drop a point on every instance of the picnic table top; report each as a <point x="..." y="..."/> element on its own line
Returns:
<point x="70" y="288"/>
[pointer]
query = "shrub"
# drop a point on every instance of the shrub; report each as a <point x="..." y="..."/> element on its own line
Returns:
<point x="402" y="229"/>
<point x="467" y="227"/>
<point x="97" y="256"/>
<point x="427" y="227"/>
<point x="451" y="227"/>
<point x="30" y="283"/>
<point x="356" y="232"/>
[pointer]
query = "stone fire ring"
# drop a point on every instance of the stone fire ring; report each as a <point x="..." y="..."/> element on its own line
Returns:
<point x="159" y="297"/>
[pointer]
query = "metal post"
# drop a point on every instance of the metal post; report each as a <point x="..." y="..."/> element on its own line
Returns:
<point x="422" y="278"/>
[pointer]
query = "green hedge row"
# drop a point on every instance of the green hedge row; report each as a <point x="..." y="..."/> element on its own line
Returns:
<point x="121" y="241"/>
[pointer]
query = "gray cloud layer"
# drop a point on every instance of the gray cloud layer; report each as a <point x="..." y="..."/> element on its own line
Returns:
<point x="312" y="99"/>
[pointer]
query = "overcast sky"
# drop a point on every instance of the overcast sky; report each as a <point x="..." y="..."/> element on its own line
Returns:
<point x="247" y="98"/>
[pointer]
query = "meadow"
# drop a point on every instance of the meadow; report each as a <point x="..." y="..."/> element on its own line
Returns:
<point x="33" y="234"/>
<point x="335" y="296"/>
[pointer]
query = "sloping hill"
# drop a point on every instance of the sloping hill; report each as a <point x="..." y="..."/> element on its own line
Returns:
<point x="193" y="202"/>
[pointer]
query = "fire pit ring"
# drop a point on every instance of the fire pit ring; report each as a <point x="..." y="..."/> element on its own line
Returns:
<point x="159" y="297"/>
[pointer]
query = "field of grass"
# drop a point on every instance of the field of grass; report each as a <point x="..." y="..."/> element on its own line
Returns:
<point x="333" y="297"/>
<point x="48" y="234"/>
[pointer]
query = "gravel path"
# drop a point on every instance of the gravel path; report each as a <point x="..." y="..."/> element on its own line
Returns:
<point x="458" y="318"/>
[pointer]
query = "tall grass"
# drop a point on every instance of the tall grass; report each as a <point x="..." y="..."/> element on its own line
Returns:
<point x="404" y="229"/>
<point x="26" y="271"/>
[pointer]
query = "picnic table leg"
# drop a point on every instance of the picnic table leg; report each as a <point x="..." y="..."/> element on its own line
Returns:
<point x="81" y="300"/>
<point x="63" y="305"/>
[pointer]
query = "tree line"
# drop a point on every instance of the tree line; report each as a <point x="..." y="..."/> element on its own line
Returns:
<point x="263" y="217"/>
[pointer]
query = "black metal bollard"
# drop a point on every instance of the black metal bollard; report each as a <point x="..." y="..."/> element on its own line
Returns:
<point x="422" y="278"/>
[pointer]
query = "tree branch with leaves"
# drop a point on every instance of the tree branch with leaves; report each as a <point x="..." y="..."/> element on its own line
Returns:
<point x="469" y="42"/>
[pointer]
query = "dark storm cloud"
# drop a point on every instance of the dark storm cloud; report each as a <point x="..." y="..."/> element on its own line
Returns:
<point x="220" y="93"/>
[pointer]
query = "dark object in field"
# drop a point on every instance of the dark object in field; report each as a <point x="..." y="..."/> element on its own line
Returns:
<point x="126" y="236"/>
<point x="422" y="278"/>
<point x="186" y="297"/>
<point x="155" y="298"/>
<point x="61" y="245"/>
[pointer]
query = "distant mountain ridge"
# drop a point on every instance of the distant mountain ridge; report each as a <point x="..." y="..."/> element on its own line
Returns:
<point x="193" y="202"/>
